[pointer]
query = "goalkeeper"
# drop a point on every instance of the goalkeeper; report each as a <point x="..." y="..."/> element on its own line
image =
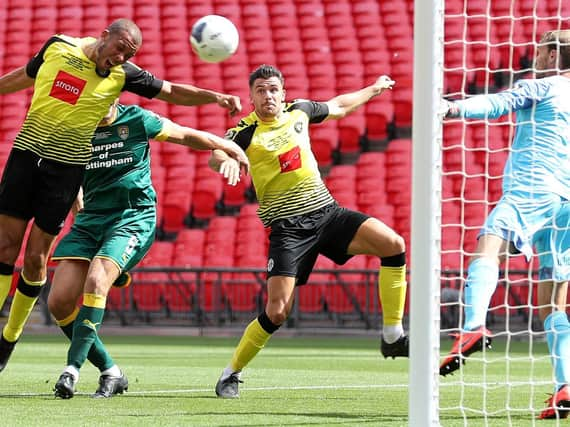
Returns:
<point x="113" y="231"/>
<point x="536" y="185"/>
<point x="304" y="218"/>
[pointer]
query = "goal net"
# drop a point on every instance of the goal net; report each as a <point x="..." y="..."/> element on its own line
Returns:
<point x="487" y="46"/>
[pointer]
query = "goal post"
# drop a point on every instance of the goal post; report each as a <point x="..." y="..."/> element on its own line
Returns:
<point x="464" y="48"/>
<point x="426" y="211"/>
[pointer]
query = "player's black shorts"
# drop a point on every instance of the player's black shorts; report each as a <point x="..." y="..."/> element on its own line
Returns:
<point x="42" y="189"/>
<point x="295" y="242"/>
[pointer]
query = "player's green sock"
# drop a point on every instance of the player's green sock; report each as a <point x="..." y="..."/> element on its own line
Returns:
<point x="24" y="300"/>
<point x="392" y="290"/>
<point x="6" y="272"/>
<point x="253" y="339"/>
<point x="85" y="328"/>
<point x="98" y="354"/>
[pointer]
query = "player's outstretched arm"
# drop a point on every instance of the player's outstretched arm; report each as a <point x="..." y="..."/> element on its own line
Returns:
<point x="342" y="105"/>
<point x="15" y="80"/>
<point x="220" y="162"/>
<point x="201" y="140"/>
<point x="184" y="94"/>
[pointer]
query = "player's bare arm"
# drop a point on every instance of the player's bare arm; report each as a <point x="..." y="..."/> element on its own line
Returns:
<point x="184" y="94"/>
<point x="222" y="163"/>
<point x="342" y="105"/>
<point x="201" y="140"/>
<point x="15" y="80"/>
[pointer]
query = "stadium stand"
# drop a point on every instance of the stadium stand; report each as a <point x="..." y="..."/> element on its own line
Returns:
<point x="323" y="47"/>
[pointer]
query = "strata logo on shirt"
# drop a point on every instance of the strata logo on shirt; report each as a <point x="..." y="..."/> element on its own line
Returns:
<point x="290" y="160"/>
<point x="67" y="88"/>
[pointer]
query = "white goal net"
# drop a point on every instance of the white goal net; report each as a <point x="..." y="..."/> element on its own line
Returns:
<point x="487" y="46"/>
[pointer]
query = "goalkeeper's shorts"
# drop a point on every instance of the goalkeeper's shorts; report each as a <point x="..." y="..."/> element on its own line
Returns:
<point x="518" y="217"/>
<point x="552" y="245"/>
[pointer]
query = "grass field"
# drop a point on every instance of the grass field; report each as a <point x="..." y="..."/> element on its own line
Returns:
<point x="293" y="382"/>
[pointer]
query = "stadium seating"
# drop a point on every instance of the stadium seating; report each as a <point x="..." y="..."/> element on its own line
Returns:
<point x="324" y="47"/>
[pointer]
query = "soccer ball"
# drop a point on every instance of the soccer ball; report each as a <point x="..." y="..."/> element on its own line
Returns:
<point x="214" y="38"/>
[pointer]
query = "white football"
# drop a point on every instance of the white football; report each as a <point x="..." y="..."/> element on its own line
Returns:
<point x="214" y="38"/>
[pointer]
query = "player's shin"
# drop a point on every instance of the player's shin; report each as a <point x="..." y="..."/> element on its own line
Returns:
<point x="392" y="292"/>
<point x="24" y="300"/>
<point x="98" y="354"/>
<point x="256" y="335"/>
<point x="557" y="330"/>
<point x="482" y="277"/>
<point x="85" y="328"/>
<point x="6" y="273"/>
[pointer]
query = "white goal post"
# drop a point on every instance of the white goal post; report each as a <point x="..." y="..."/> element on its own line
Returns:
<point x="426" y="206"/>
<point x="463" y="48"/>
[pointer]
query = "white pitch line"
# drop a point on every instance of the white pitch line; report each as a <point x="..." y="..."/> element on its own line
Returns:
<point x="210" y="390"/>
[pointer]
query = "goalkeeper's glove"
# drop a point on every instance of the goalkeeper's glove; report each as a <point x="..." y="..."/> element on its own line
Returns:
<point x="450" y="109"/>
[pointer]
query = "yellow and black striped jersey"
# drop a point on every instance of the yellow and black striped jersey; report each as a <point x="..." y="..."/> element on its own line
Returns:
<point x="283" y="168"/>
<point x="71" y="97"/>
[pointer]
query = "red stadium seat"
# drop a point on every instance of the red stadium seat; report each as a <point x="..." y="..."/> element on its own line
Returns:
<point x="149" y="287"/>
<point x="243" y="293"/>
<point x="207" y="193"/>
<point x="311" y="297"/>
<point x="176" y="207"/>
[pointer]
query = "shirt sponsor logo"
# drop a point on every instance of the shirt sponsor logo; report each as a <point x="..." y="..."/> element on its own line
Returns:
<point x="67" y="88"/>
<point x="290" y="160"/>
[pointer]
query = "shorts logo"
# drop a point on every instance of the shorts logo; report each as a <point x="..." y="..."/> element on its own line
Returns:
<point x="67" y="88"/>
<point x="123" y="132"/>
<point x="298" y="127"/>
<point x="270" y="264"/>
<point x="291" y="160"/>
<point x="129" y="250"/>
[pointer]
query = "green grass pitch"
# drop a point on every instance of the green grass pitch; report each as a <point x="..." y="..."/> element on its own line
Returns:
<point x="292" y="382"/>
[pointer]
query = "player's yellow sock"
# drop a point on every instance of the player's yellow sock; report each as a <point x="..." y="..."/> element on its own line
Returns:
<point x="6" y="272"/>
<point x="24" y="300"/>
<point x="253" y="339"/>
<point x="392" y="289"/>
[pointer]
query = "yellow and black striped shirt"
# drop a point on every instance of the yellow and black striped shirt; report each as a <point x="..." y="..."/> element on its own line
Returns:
<point x="283" y="168"/>
<point x="70" y="99"/>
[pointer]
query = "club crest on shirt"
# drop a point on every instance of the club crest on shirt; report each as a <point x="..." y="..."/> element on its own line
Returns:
<point x="123" y="132"/>
<point x="298" y="127"/>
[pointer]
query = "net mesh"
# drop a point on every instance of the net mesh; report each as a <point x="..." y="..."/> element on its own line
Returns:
<point x="489" y="45"/>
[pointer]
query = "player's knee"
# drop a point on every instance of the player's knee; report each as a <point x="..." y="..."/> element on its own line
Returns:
<point x="34" y="263"/>
<point x="395" y="246"/>
<point x="9" y="251"/>
<point x="61" y="303"/>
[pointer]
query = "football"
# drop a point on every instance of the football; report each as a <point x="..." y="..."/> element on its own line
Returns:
<point x="214" y="38"/>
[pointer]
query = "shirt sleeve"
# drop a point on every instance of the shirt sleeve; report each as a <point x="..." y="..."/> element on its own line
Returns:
<point x="316" y="111"/>
<point x="241" y="134"/>
<point x="523" y="95"/>
<point x="140" y="81"/>
<point x="36" y="62"/>
<point x="156" y="126"/>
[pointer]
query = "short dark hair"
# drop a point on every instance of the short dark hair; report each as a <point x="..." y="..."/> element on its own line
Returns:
<point x="122" y="24"/>
<point x="558" y="40"/>
<point x="264" y="72"/>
